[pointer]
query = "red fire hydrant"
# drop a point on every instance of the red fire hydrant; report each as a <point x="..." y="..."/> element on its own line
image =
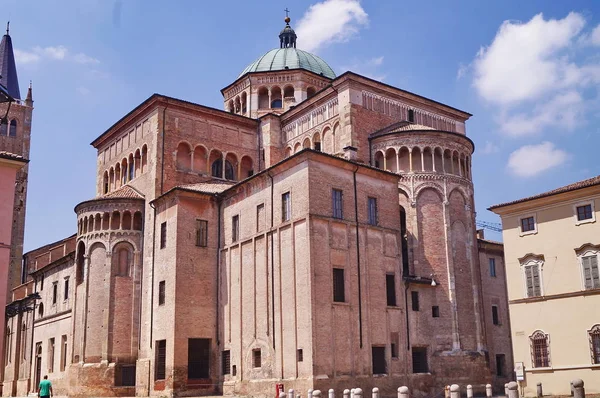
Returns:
<point x="278" y="389"/>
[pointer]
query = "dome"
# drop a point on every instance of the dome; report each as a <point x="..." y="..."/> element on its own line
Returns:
<point x="290" y="58"/>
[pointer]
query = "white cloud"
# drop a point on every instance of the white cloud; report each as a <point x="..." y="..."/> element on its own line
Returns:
<point x="25" y="57"/>
<point x="532" y="73"/>
<point x="368" y="68"/>
<point x="462" y="71"/>
<point x="595" y="36"/>
<point x="330" y="21"/>
<point x="81" y="58"/>
<point x="83" y="90"/>
<point x="531" y="160"/>
<point x="565" y="110"/>
<point x="55" y="53"/>
<point x="490" y="147"/>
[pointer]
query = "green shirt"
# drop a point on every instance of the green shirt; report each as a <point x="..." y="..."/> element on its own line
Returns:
<point x="45" y="387"/>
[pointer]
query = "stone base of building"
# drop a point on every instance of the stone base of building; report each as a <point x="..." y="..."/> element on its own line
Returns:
<point x="95" y="379"/>
<point x="9" y="388"/>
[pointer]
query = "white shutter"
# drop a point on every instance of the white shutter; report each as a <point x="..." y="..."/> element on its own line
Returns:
<point x="529" y="280"/>
<point x="535" y="272"/>
<point x="594" y="269"/>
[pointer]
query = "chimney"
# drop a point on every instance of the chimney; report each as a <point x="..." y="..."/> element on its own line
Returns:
<point x="350" y="153"/>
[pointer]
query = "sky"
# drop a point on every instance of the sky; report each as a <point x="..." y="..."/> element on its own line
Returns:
<point x="527" y="71"/>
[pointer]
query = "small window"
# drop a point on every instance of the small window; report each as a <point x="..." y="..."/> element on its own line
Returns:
<point x="372" y="211"/>
<point x="411" y="115"/>
<point x="591" y="274"/>
<point x="256" y="358"/>
<point x="415" y="300"/>
<point x="435" y="311"/>
<point x="161" y="360"/>
<point x="125" y="375"/>
<point x="13" y="128"/>
<point x="299" y="355"/>
<point x="495" y="317"/>
<point x="419" y="359"/>
<point x="492" y="262"/>
<point x="394" y="345"/>
<point x="163" y="235"/>
<point x="260" y="217"/>
<point x="63" y="353"/>
<point x="161" y="293"/>
<point x="337" y="206"/>
<point x="226" y="362"/>
<point x="201" y="233"/>
<point x="338" y="285"/>
<point x="54" y="292"/>
<point x="390" y="287"/>
<point x="539" y="350"/>
<point x="286" y="207"/>
<point x="500" y="365"/>
<point x="235" y="228"/>
<point x="584" y="212"/>
<point x="318" y="146"/>
<point x="66" y="292"/>
<point x="41" y="310"/>
<point x="379" y="365"/>
<point x="51" y="355"/>
<point x="527" y="224"/>
<point x="42" y="282"/>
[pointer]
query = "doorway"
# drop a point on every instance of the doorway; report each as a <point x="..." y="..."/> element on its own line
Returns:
<point x="198" y="358"/>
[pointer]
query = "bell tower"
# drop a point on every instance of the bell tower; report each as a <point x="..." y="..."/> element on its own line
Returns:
<point x="15" y="138"/>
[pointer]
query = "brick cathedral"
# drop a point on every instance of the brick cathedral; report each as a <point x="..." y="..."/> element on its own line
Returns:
<point x="318" y="232"/>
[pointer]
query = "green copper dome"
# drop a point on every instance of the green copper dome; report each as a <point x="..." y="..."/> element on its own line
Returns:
<point x="290" y="58"/>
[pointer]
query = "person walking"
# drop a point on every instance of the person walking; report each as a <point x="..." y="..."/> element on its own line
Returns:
<point x="45" y="388"/>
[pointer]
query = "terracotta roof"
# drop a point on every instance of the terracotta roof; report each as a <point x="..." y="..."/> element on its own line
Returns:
<point x="8" y="155"/>
<point x="493" y="242"/>
<point x="567" y="188"/>
<point x="215" y="186"/>
<point x="125" y="192"/>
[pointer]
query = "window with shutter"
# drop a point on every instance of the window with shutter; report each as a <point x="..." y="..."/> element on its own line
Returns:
<point x="591" y="277"/>
<point x="535" y="270"/>
<point x="533" y="280"/>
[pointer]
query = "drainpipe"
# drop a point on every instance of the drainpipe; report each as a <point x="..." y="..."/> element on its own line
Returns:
<point x="360" y="330"/>
<point x="33" y="337"/>
<point x="219" y="201"/>
<point x="406" y="286"/>
<point x="152" y="271"/>
<point x="272" y="264"/>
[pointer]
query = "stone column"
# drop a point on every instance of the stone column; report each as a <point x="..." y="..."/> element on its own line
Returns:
<point x="433" y="159"/>
<point x="578" y="388"/>
<point x="422" y="160"/>
<point x="410" y="163"/>
<point x="403" y="392"/>
<point x="454" y="391"/>
<point x="513" y="390"/>
<point x="539" y="391"/>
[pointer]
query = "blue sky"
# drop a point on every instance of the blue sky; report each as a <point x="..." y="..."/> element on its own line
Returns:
<point x="527" y="71"/>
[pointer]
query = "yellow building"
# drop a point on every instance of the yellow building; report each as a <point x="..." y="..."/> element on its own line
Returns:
<point x="552" y="243"/>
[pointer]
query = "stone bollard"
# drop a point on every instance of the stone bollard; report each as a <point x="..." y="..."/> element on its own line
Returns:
<point x="488" y="391"/>
<point x="469" y="391"/>
<point x="352" y="393"/>
<point x="316" y="394"/>
<point x="513" y="390"/>
<point x="447" y="391"/>
<point x="506" y="390"/>
<point x="358" y="393"/>
<point x="578" y="389"/>
<point x="454" y="391"/>
<point x="540" y="393"/>
<point x="375" y="392"/>
<point x="403" y="392"/>
<point x="291" y="393"/>
<point x="346" y="393"/>
<point x="282" y="394"/>
<point x="310" y="393"/>
<point x="331" y="393"/>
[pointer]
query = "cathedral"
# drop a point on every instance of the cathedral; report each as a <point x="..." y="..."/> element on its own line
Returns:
<point x="319" y="232"/>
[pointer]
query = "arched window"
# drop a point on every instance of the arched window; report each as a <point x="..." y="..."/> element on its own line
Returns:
<point x="594" y="333"/>
<point x="216" y="170"/>
<point x="3" y="128"/>
<point x="131" y="168"/>
<point x="144" y="158"/>
<point x="138" y="222"/>
<point x="263" y="98"/>
<point x="229" y="172"/>
<point x="122" y="259"/>
<point x="13" y="128"/>
<point x="41" y="310"/>
<point x="24" y="340"/>
<point x="80" y="263"/>
<point x="540" y="349"/>
<point x="276" y="102"/>
<point x="105" y="182"/>
<point x="8" y="346"/>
